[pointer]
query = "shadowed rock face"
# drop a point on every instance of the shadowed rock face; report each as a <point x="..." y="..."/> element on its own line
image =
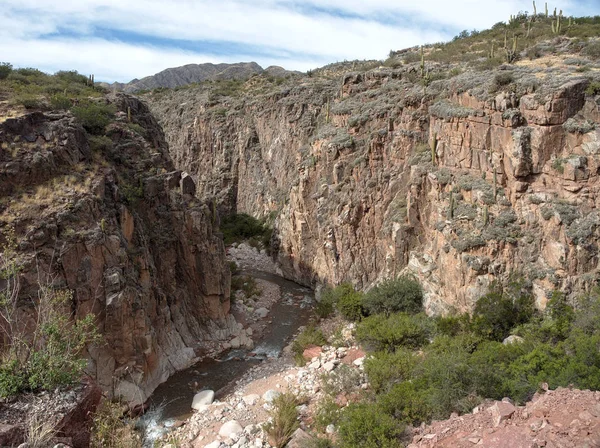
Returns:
<point x="345" y="162"/>
<point x="115" y="224"/>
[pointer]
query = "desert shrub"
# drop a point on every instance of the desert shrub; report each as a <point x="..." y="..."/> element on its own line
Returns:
<point x="5" y="70"/>
<point x="50" y="355"/>
<point x="405" y="402"/>
<point x="403" y="294"/>
<point x="29" y="101"/>
<point x="60" y="102"/>
<point x="71" y="76"/>
<point x="497" y="312"/>
<point x="327" y="413"/>
<point x="239" y="227"/>
<point x="592" y="50"/>
<point x="384" y="369"/>
<point x="446" y="109"/>
<point x="593" y="88"/>
<point x="344" y="379"/>
<point x="94" y="117"/>
<point x="246" y="284"/>
<point x="380" y="332"/>
<point x="350" y="305"/>
<point x="110" y="430"/>
<point x="502" y="79"/>
<point x="324" y="308"/>
<point x="283" y="421"/>
<point x="366" y="425"/>
<point x="309" y="337"/>
<point x="137" y="129"/>
<point x="345" y="299"/>
<point x="100" y="143"/>
<point x="579" y="126"/>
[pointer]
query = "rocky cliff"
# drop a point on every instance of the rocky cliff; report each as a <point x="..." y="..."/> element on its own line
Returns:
<point x="109" y="218"/>
<point x="461" y="177"/>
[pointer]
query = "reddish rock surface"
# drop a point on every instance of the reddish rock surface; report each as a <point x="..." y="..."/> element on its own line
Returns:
<point x="560" y="418"/>
<point x="311" y="352"/>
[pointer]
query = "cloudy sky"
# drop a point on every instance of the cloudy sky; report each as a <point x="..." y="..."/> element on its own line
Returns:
<point x="119" y="40"/>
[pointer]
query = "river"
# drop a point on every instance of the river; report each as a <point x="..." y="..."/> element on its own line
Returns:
<point x="172" y="400"/>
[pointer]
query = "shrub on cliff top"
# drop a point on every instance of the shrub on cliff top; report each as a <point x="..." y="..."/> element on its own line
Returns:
<point x="94" y="117"/>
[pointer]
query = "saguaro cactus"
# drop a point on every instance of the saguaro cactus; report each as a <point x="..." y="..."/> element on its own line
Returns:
<point x="534" y="9"/>
<point x="451" y="208"/>
<point x="433" y="147"/>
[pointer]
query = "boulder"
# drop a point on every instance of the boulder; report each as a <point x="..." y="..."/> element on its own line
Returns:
<point x="251" y="399"/>
<point x="312" y="351"/>
<point x="270" y="395"/>
<point x="261" y="313"/>
<point x="202" y="399"/>
<point x="230" y="428"/>
<point x="299" y="439"/>
<point x="502" y="411"/>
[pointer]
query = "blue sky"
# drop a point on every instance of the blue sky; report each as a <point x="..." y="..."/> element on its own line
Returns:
<point x="119" y="40"/>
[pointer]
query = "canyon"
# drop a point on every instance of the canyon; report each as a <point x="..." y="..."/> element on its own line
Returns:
<point x="462" y="178"/>
<point x="369" y="175"/>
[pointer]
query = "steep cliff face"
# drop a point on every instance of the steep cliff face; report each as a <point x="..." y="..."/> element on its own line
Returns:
<point x="370" y="174"/>
<point x="110" y="219"/>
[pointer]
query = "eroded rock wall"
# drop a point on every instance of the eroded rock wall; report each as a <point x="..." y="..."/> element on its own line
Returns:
<point x="110" y="219"/>
<point x="372" y="176"/>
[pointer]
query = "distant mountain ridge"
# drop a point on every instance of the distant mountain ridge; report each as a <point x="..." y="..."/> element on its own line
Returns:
<point x="191" y="73"/>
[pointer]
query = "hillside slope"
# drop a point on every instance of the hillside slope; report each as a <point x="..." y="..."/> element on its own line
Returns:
<point x="195" y="73"/>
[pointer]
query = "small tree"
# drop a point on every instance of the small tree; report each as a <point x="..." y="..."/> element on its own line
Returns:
<point x="5" y="70"/>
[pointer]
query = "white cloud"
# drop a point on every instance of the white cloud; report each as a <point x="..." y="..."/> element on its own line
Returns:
<point x="293" y="33"/>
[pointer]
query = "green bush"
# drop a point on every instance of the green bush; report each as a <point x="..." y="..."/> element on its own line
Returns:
<point x="344" y="379"/>
<point x="94" y="117"/>
<point x="593" y="89"/>
<point x="60" y="102"/>
<point x="403" y="294"/>
<point x="351" y="305"/>
<point x="366" y="425"/>
<point x="406" y="403"/>
<point x="240" y="227"/>
<point x="499" y="311"/>
<point x="246" y="284"/>
<point x="380" y="332"/>
<point x="327" y="413"/>
<point x="384" y="369"/>
<point x="324" y="309"/>
<point x="100" y="143"/>
<point x="110" y="430"/>
<point x="5" y="70"/>
<point x="29" y="101"/>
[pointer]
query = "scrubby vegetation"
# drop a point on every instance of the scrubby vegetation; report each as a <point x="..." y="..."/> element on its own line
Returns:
<point x="283" y="419"/>
<point x="35" y="89"/>
<point x="423" y="368"/>
<point x="311" y="336"/>
<point x="240" y="227"/>
<point x="50" y="354"/>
